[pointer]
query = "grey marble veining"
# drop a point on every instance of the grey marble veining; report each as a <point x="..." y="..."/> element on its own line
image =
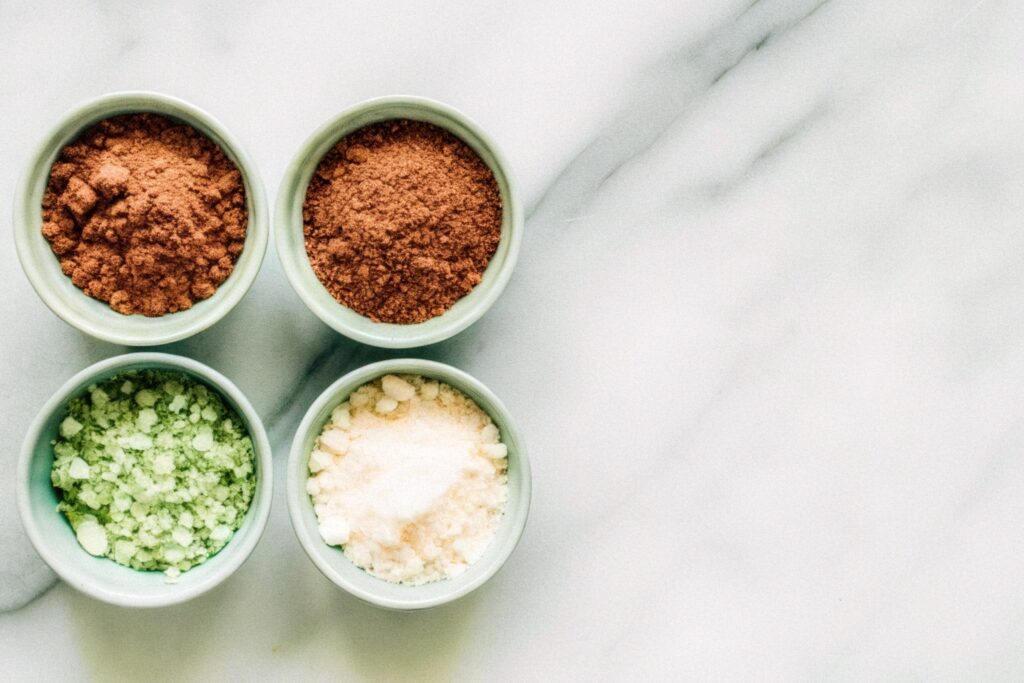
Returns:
<point x="764" y="339"/>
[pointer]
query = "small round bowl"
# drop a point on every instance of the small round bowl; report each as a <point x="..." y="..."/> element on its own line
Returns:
<point x="95" y="317"/>
<point x="332" y="561"/>
<point x="290" y="240"/>
<point x="100" y="577"/>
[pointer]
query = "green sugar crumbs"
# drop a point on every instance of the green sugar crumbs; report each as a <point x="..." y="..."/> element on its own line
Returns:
<point x="156" y="470"/>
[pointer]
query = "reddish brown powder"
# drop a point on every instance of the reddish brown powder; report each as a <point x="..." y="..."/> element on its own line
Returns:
<point x="401" y="219"/>
<point x="145" y="213"/>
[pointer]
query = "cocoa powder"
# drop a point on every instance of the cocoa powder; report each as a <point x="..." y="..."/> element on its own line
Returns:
<point x="145" y="213"/>
<point x="401" y="219"/>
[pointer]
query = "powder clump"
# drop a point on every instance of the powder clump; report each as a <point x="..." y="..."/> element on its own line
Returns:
<point x="409" y="476"/>
<point x="145" y="213"/>
<point x="155" y="470"/>
<point x="401" y="219"/>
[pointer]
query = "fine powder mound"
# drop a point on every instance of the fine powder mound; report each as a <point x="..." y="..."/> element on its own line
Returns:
<point x="410" y="477"/>
<point x="145" y="213"/>
<point x="401" y="219"/>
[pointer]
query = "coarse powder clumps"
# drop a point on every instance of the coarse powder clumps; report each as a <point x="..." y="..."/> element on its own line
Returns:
<point x="401" y="219"/>
<point x="155" y="470"/>
<point x="409" y="476"/>
<point x="145" y="213"/>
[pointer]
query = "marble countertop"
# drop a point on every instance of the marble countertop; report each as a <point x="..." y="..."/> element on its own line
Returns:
<point x="764" y="339"/>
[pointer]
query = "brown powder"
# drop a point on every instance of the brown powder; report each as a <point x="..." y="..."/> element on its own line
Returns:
<point x="401" y="219"/>
<point x="145" y="213"/>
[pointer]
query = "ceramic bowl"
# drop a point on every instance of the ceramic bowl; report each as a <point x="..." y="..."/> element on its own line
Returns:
<point x="332" y="561"/>
<point x="102" y="578"/>
<point x="95" y="317"/>
<point x="291" y="246"/>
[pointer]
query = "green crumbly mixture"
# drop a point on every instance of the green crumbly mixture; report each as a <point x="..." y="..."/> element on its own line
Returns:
<point x="156" y="471"/>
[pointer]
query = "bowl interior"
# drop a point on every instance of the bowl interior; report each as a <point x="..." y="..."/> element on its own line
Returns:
<point x="96" y="317"/>
<point x="101" y="577"/>
<point x="332" y="561"/>
<point x="291" y="242"/>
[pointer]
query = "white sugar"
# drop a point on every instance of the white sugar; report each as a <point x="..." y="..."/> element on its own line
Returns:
<point x="409" y="476"/>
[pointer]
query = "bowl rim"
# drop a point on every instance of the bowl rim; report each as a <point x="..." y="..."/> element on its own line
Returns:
<point x="292" y="262"/>
<point x="264" y="487"/>
<point x="138" y="101"/>
<point x="298" y="499"/>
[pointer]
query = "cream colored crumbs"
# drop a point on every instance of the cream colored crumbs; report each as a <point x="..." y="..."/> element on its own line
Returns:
<point x="409" y="477"/>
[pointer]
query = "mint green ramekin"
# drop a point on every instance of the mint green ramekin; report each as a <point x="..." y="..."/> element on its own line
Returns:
<point x="102" y="578"/>
<point x="331" y="561"/>
<point x="291" y="247"/>
<point x="95" y="317"/>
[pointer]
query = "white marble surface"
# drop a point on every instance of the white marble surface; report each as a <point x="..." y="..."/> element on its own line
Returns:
<point x="765" y="337"/>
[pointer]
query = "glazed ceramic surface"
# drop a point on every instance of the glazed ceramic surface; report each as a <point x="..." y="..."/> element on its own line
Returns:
<point x="96" y="317"/>
<point x="763" y="339"/>
<point x="100" y="577"/>
<point x="332" y="561"/>
<point x="291" y="247"/>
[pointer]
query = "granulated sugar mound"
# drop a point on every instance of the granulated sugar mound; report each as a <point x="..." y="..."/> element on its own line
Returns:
<point x="409" y="477"/>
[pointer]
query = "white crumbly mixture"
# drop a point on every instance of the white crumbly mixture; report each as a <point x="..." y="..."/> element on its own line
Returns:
<point x="409" y="477"/>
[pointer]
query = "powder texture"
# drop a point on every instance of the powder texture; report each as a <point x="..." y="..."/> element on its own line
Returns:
<point x="145" y="213"/>
<point x="401" y="219"/>
<point x="156" y="471"/>
<point x="409" y="476"/>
